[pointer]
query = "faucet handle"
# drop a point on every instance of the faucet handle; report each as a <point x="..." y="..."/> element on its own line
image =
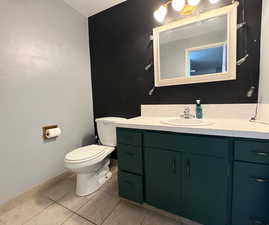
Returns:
<point x="186" y="113"/>
<point x="187" y="109"/>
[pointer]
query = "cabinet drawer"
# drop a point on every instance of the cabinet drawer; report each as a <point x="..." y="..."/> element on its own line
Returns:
<point x="252" y="151"/>
<point x="130" y="187"/>
<point x="251" y="194"/>
<point x="130" y="158"/>
<point x="204" y="145"/>
<point x="129" y="137"/>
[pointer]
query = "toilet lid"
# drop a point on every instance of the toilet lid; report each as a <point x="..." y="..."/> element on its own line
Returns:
<point x="85" y="153"/>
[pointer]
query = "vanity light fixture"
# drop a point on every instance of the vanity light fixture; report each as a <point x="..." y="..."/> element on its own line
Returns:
<point x="160" y="14"/>
<point x="193" y="2"/>
<point x="214" y="1"/>
<point x="178" y="5"/>
<point x="185" y="7"/>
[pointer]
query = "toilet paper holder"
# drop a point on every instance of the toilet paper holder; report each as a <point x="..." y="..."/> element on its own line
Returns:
<point x="45" y="128"/>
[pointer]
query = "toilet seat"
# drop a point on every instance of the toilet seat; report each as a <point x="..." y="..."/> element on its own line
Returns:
<point x="86" y="153"/>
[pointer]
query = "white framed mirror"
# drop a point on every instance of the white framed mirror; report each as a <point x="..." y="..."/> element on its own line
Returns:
<point x="197" y="49"/>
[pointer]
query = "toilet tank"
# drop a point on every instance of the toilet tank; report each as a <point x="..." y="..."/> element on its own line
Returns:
<point x="106" y="130"/>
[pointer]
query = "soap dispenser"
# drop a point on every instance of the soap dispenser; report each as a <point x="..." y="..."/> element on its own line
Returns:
<point x="199" y="110"/>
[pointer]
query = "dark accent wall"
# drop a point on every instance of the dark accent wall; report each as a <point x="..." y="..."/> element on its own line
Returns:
<point x="120" y="50"/>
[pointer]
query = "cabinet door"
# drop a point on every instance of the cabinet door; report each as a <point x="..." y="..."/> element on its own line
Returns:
<point x="251" y="194"/>
<point x="205" y="189"/>
<point x="163" y="179"/>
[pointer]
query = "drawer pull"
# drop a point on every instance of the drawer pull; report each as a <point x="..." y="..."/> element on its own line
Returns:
<point x="265" y="154"/>
<point x="188" y="168"/>
<point x="174" y="170"/>
<point x="261" y="180"/>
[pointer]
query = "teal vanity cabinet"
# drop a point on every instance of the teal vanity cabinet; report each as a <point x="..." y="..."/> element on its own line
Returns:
<point x="251" y="183"/>
<point x="189" y="175"/>
<point x="208" y="179"/>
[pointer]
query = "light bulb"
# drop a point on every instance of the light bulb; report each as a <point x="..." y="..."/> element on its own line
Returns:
<point x="178" y="5"/>
<point x="214" y="1"/>
<point x="193" y="2"/>
<point x="160" y="14"/>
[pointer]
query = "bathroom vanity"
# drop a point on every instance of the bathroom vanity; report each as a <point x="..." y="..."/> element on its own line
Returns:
<point x="210" y="179"/>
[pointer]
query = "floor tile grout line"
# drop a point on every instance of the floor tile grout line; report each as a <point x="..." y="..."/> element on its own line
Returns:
<point x="74" y="212"/>
<point x="41" y="211"/>
<point x="59" y="203"/>
<point x="144" y="218"/>
<point x="56" y="200"/>
<point x="53" y="202"/>
<point x="67" y="217"/>
<point x="111" y="212"/>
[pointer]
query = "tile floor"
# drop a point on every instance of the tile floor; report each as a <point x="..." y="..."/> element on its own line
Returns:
<point x="58" y="205"/>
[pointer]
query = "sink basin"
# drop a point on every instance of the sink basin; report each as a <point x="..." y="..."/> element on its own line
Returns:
<point x="187" y="122"/>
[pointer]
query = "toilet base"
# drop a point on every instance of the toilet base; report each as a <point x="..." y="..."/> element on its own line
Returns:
<point x="87" y="183"/>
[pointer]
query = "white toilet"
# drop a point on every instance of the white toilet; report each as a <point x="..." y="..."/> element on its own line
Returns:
<point x="91" y="163"/>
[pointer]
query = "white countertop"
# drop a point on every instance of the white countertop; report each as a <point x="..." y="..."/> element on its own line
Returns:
<point x="221" y="127"/>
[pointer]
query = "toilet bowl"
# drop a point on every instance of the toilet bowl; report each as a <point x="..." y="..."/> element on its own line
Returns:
<point x="91" y="163"/>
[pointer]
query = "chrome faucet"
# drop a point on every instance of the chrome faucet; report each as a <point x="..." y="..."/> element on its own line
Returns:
<point x="187" y="113"/>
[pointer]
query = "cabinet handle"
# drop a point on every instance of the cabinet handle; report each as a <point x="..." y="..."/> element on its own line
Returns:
<point x="188" y="168"/>
<point x="261" y="180"/>
<point x="174" y="166"/>
<point x="265" y="154"/>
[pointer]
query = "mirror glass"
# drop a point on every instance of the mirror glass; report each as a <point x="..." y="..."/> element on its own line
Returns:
<point x="196" y="49"/>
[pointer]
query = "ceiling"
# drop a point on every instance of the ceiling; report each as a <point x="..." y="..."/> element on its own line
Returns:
<point x="91" y="7"/>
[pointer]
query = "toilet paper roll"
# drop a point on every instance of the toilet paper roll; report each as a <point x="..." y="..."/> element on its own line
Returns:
<point x="52" y="133"/>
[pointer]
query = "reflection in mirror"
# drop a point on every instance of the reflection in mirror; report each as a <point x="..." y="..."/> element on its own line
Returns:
<point x="195" y="49"/>
<point x="210" y="59"/>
